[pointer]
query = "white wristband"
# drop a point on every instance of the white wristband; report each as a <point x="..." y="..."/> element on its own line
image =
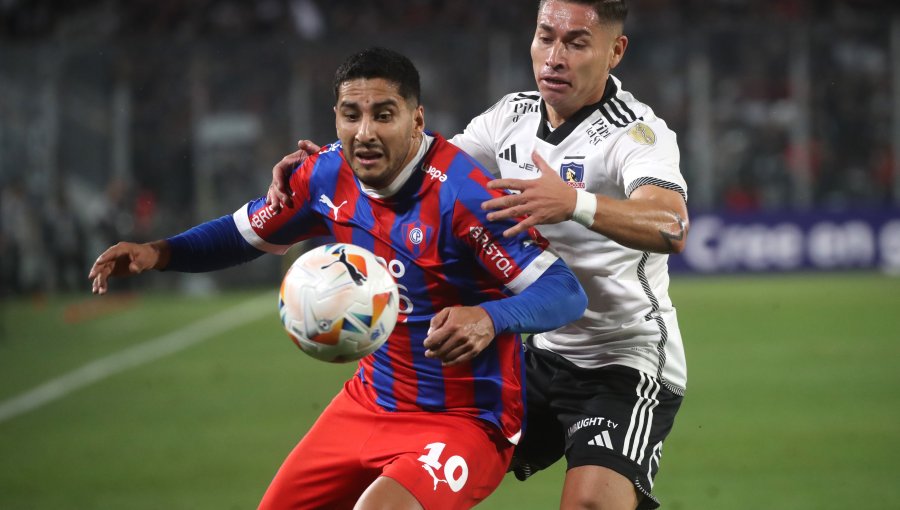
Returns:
<point x="585" y="208"/>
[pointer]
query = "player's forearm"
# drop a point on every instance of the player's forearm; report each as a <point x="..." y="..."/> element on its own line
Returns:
<point x="211" y="246"/>
<point x="642" y="224"/>
<point x="553" y="300"/>
<point x="163" y="254"/>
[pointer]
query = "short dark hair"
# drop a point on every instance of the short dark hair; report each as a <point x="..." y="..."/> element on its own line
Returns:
<point x="380" y="63"/>
<point x="609" y="11"/>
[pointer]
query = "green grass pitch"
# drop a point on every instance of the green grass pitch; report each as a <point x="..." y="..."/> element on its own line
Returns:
<point x="793" y="401"/>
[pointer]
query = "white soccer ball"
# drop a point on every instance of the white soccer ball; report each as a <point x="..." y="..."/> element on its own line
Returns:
<point x="338" y="303"/>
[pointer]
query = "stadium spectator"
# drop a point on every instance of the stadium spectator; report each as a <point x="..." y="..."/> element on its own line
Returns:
<point x="779" y="106"/>
<point x="445" y="389"/>
<point x="603" y="390"/>
<point x="21" y="243"/>
<point x="64" y="236"/>
<point x="12" y="201"/>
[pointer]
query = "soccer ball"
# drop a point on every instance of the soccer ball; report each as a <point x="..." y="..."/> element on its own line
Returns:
<point x="338" y="303"/>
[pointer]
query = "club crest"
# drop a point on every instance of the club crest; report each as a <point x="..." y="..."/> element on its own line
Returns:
<point x="572" y="174"/>
<point x="417" y="236"/>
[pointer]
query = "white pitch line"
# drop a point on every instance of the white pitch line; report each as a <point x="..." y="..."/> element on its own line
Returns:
<point x="140" y="354"/>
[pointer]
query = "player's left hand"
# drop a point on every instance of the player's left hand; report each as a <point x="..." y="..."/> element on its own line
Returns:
<point x="124" y="259"/>
<point x="279" y="194"/>
<point x="545" y="200"/>
<point x="457" y="334"/>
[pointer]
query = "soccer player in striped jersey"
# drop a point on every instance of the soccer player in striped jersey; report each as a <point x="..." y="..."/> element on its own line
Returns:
<point x="599" y="172"/>
<point x="604" y="184"/>
<point x="430" y="419"/>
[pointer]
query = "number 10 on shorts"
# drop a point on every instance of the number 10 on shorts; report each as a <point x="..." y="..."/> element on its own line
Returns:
<point x="455" y="471"/>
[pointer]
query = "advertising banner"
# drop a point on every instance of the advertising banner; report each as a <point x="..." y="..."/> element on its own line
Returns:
<point x="799" y="241"/>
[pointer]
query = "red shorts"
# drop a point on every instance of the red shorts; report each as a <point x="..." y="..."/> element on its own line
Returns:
<point x="446" y="460"/>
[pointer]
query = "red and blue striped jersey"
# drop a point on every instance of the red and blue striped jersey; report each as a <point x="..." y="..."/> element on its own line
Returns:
<point x="437" y="243"/>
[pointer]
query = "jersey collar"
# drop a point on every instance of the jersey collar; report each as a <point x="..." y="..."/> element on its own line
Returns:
<point x="555" y="136"/>
<point x="404" y="175"/>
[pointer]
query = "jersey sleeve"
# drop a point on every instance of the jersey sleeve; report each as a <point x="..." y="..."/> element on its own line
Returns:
<point x="552" y="301"/>
<point x="478" y="139"/>
<point x="275" y="232"/>
<point x="515" y="261"/>
<point x="647" y="153"/>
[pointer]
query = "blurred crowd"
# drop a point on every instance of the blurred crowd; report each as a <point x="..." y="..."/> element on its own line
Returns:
<point x="321" y="18"/>
<point x="310" y="19"/>
<point x="118" y="116"/>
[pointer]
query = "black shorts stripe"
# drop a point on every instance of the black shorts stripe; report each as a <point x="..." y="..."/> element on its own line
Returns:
<point x="641" y="419"/>
<point x="614" y="416"/>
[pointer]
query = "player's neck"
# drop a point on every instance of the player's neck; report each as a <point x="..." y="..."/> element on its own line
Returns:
<point x="555" y="118"/>
<point x="557" y="115"/>
<point x="404" y="175"/>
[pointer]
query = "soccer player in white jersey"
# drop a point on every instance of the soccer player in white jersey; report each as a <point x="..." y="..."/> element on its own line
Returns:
<point x="599" y="173"/>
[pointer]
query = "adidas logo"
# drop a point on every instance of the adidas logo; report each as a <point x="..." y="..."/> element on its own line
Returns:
<point x="509" y="154"/>
<point x="602" y="439"/>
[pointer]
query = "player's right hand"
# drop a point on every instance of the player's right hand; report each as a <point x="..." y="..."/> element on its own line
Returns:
<point x="458" y="333"/>
<point x="279" y="194"/>
<point x="123" y="259"/>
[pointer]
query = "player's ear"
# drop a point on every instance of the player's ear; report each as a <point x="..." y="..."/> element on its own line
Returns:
<point x="618" y="51"/>
<point x="419" y="120"/>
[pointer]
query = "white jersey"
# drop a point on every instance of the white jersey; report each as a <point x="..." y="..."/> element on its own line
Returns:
<point x="609" y="148"/>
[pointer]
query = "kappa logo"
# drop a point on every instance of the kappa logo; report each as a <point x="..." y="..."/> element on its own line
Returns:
<point x="602" y="439"/>
<point x="435" y="173"/>
<point x="334" y="208"/>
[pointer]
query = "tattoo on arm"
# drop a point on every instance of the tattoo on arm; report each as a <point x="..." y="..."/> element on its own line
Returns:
<point x="668" y="237"/>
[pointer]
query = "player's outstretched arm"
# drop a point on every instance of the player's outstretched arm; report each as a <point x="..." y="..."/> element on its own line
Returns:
<point x="651" y="219"/>
<point x="125" y="259"/>
<point x="210" y="246"/>
<point x="279" y="194"/>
